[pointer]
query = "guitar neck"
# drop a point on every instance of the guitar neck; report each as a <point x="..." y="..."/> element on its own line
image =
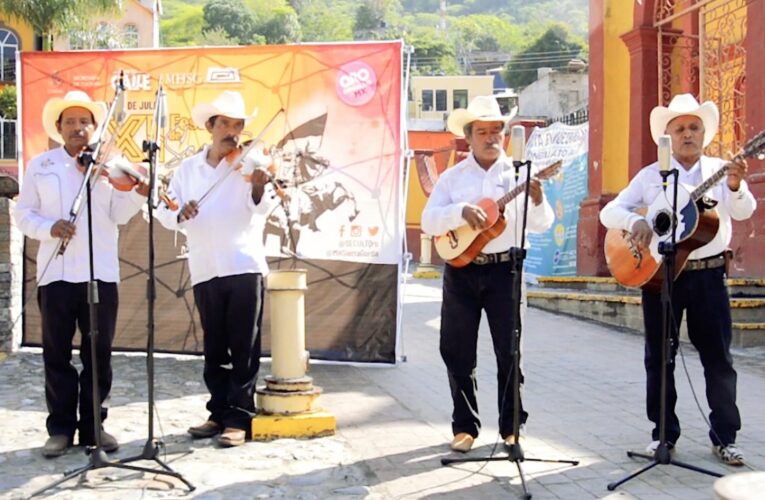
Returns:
<point x="508" y="197"/>
<point x="712" y="180"/>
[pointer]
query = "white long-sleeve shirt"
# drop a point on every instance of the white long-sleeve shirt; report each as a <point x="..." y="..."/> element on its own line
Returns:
<point x="646" y="186"/>
<point x="50" y="184"/>
<point x="467" y="182"/>
<point x="226" y="236"/>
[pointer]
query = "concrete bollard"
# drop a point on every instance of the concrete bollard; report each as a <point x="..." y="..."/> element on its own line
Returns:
<point x="425" y="269"/>
<point x="285" y="403"/>
<point x="287" y="294"/>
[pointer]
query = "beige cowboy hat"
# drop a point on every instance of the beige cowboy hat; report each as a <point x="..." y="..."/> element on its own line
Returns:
<point x="685" y="104"/>
<point x="481" y="109"/>
<point x="229" y="103"/>
<point x="74" y="98"/>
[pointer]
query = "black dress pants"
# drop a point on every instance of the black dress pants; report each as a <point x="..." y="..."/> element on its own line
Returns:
<point x="466" y="292"/>
<point x="231" y="312"/>
<point x="703" y="296"/>
<point x="63" y="308"/>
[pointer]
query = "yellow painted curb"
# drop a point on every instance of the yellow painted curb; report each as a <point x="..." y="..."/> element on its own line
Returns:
<point x="305" y="425"/>
<point x="575" y="279"/>
<point x="585" y="297"/>
<point x="427" y="273"/>
<point x="749" y="326"/>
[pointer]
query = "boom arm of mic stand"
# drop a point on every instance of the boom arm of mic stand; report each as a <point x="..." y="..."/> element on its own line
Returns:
<point x="89" y="160"/>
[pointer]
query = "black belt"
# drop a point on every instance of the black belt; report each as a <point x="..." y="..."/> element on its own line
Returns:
<point x="706" y="263"/>
<point x="491" y="258"/>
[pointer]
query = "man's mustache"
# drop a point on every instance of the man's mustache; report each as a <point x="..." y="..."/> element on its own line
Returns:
<point x="232" y="139"/>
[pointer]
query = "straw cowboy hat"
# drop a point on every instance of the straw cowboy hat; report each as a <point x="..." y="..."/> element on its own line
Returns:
<point x="74" y="98"/>
<point x="685" y="104"/>
<point x="228" y="103"/>
<point x="480" y="109"/>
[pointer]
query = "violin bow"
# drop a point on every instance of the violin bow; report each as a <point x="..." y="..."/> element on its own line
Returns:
<point x="237" y="161"/>
<point x="74" y="211"/>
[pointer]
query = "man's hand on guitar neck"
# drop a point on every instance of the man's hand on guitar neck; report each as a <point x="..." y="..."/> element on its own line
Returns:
<point x="475" y="216"/>
<point x="641" y="234"/>
<point x="736" y="173"/>
<point x="535" y="191"/>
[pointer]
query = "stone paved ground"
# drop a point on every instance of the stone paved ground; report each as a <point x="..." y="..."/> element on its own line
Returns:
<point x="584" y="391"/>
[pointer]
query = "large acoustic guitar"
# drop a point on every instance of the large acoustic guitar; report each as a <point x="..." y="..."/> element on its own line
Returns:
<point x="460" y="246"/>
<point x="696" y="225"/>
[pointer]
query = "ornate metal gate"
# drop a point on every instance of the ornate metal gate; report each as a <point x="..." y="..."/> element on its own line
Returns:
<point x="702" y="51"/>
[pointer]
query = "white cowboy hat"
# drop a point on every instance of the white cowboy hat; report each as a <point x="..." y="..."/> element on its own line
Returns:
<point x="74" y="98"/>
<point x="228" y="103"/>
<point x="483" y="108"/>
<point x="685" y="104"/>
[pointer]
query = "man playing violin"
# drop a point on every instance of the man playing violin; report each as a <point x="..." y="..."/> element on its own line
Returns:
<point x="223" y="216"/>
<point x="485" y="284"/>
<point x="50" y="184"/>
<point x="700" y="290"/>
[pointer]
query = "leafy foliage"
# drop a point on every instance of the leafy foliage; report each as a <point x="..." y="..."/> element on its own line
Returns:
<point x="8" y="102"/>
<point x="508" y="29"/>
<point x="232" y="16"/>
<point x="553" y="49"/>
<point x="50" y="18"/>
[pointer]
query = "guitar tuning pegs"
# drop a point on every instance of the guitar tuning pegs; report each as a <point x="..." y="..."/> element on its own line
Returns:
<point x="761" y="156"/>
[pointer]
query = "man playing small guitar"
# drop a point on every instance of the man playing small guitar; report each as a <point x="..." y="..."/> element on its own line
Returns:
<point x="485" y="283"/>
<point x="699" y="290"/>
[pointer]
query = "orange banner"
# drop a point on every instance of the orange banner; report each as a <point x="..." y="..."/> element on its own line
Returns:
<point x="339" y="134"/>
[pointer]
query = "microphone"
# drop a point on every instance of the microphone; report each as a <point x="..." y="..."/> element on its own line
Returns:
<point x="518" y="143"/>
<point x="119" y="109"/>
<point x="665" y="158"/>
<point x="119" y="106"/>
<point x="164" y="115"/>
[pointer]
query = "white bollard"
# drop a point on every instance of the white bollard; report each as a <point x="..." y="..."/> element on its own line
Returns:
<point x="286" y="289"/>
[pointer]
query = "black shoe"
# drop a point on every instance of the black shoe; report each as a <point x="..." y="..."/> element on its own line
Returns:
<point x="108" y="442"/>
<point x="205" y="430"/>
<point x="56" y="445"/>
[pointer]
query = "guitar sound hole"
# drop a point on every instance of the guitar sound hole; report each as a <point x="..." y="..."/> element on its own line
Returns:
<point x="662" y="223"/>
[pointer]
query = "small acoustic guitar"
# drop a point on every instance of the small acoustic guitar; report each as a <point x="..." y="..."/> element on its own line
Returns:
<point x="696" y="225"/>
<point x="460" y="246"/>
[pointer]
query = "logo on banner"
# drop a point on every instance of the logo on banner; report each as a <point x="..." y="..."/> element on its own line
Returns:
<point x="180" y="80"/>
<point x="133" y="80"/>
<point x="223" y="75"/>
<point x="356" y="83"/>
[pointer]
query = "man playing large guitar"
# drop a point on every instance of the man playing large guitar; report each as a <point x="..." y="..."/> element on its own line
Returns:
<point x="699" y="290"/>
<point x="485" y="283"/>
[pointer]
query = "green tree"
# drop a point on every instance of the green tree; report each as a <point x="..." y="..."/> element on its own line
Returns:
<point x="320" y="23"/>
<point x="282" y="26"/>
<point x="231" y="15"/>
<point x="8" y="102"/>
<point x="374" y="19"/>
<point x="184" y="28"/>
<point x="50" y="18"/>
<point x="553" y="49"/>
<point x="433" y="53"/>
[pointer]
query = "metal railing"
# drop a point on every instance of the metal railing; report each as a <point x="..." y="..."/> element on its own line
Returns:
<point x="577" y="117"/>
<point x="7" y="139"/>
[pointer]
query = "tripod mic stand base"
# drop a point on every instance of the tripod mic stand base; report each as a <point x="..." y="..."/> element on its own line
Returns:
<point x="515" y="455"/>
<point x="99" y="460"/>
<point x="658" y="459"/>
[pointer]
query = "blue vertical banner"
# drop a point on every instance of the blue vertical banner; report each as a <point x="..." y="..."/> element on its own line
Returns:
<point x="553" y="253"/>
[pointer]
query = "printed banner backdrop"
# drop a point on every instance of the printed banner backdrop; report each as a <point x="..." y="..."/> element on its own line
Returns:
<point x="336" y="140"/>
<point x="553" y="253"/>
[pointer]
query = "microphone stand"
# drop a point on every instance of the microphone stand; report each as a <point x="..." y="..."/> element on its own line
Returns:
<point x="97" y="456"/>
<point x="151" y="147"/>
<point x="517" y="255"/>
<point x="668" y="249"/>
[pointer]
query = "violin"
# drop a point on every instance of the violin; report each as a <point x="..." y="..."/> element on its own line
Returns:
<point x="124" y="176"/>
<point x="260" y="159"/>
